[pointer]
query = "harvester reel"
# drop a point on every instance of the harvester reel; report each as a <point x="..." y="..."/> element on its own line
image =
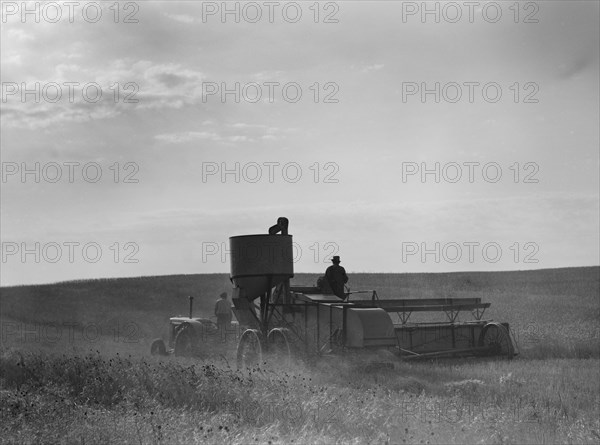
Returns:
<point x="158" y="347"/>
<point x="184" y="343"/>
<point x="250" y="349"/>
<point x="280" y="347"/>
<point x="496" y="337"/>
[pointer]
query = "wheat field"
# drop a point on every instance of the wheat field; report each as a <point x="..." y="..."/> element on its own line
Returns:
<point x="101" y="385"/>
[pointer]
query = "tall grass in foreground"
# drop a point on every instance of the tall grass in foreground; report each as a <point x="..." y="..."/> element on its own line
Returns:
<point x="98" y="398"/>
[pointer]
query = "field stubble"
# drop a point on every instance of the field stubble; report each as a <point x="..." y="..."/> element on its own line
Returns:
<point x="100" y="398"/>
<point x="111" y="391"/>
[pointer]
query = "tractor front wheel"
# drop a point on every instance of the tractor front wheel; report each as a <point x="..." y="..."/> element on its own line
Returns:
<point x="158" y="347"/>
<point x="184" y="344"/>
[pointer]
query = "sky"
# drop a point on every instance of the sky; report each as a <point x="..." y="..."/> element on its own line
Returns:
<point x="401" y="136"/>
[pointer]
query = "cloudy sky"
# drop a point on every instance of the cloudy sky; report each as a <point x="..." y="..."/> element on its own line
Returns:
<point x="339" y="110"/>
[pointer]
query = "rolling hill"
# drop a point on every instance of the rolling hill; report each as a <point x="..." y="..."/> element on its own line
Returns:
<point x="537" y="304"/>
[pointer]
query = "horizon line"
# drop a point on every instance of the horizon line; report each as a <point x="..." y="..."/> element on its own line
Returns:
<point x="80" y="280"/>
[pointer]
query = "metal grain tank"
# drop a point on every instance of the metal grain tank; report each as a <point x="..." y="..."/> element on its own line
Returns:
<point x="260" y="262"/>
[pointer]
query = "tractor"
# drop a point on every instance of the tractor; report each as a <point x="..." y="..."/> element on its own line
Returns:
<point x="191" y="336"/>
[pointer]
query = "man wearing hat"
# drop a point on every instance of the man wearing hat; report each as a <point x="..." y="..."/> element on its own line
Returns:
<point x="223" y="313"/>
<point x="336" y="276"/>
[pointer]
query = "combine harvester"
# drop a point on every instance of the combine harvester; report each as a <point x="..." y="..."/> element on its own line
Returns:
<point x="287" y="322"/>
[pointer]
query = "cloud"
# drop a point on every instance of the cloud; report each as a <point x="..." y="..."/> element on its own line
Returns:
<point x="19" y="35"/>
<point x="244" y="125"/>
<point x="375" y="67"/>
<point x="575" y="67"/>
<point x="95" y="93"/>
<point x="268" y="75"/>
<point x="266" y="132"/>
<point x="12" y="58"/>
<point x="187" y="136"/>
<point x="191" y="136"/>
<point x="229" y="133"/>
<point x="181" y="18"/>
<point x="44" y="115"/>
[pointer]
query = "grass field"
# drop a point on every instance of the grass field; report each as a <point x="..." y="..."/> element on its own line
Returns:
<point x="75" y="369"/>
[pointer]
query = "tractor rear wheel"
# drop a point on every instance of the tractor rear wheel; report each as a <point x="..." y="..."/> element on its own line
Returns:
<point x="158" y="347"/>
<point x="496" y="337"/>
<point x="250" y="349"/>
<point x="184" y="343"/>
<point x="280" y="348"/>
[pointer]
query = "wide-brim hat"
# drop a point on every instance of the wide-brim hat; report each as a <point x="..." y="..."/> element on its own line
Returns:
<point x="336" y="259"/>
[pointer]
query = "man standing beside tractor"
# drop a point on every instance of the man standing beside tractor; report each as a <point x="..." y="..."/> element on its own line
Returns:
<point x="336" y="277"/>
<point x="223" y="313"/>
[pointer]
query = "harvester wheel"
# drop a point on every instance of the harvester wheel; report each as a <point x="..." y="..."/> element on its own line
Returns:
<point x="250" y="349"/>
<point x="158" y="347"/>
<point x="496" y="337"/>
<point x="280" y="347"/>
<point x="184" y="343"/>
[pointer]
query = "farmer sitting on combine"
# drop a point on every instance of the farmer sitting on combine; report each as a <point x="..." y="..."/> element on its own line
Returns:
<point x="336" y="277"/>
<point x="223" y="313"/>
